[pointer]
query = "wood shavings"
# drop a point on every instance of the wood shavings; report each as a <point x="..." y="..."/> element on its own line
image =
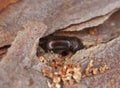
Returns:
<point x="65" y="73"/>
<point x="103" y="68"/>
<point x="42" y="59"/>
<point x="93" y="31"/>
<point x="87" y="71"/>
<point x="95" y="71"/>
<point x="77" y="73"/>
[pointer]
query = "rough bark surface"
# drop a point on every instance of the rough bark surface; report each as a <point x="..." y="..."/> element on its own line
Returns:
<point x="56" y="14"/>
<point x="5" y="3"/>
<point x="23" y="23"/>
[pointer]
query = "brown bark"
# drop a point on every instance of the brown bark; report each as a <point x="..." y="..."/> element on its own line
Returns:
<point x="23" y="23"/>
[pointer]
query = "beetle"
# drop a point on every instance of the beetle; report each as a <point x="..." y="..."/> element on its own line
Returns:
<point x="61" y="44"/>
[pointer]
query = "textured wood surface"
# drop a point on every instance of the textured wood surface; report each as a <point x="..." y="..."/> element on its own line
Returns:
<point x="23" y="23"/>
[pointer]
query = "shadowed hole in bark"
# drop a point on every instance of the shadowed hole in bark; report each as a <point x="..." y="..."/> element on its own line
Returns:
<point x="3" y="51"/>
<point x="62" y="45"/>
<point x="88" y="37"/>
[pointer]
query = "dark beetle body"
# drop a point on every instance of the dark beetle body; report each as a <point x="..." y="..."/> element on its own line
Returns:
<point x="59" y="44"/>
